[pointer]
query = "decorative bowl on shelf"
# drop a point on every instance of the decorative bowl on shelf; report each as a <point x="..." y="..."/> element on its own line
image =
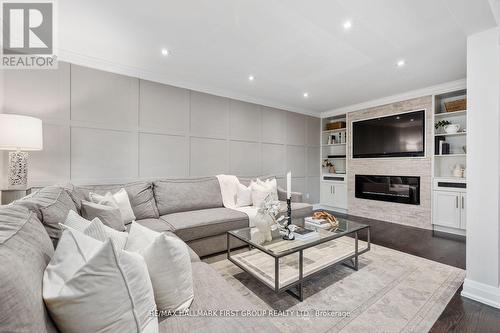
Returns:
<point x="452" y="128"/>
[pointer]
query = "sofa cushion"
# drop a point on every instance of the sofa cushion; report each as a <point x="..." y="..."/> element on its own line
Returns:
<point x="205" y="222"/>
<point x="162" y="226"/>
<point x="181" y="195"/>
<point x="25" y="251"/>
<point x="212" y="292"/>
<point x="158" y="225"/>
<point x="299" y="209"/>
<point x="52" y="205"/>
<point x="140" y="195"/>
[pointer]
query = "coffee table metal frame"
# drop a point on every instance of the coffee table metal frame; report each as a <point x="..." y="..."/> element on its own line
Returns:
<point x="351" y="261"/>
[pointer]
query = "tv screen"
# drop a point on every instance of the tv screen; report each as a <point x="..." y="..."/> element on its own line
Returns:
<point x="401" y="135"/>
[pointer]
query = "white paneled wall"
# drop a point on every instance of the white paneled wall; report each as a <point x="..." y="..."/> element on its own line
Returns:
<point x="104" y="127"/>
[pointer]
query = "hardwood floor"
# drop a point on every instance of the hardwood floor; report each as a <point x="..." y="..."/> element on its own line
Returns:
<point x="461" y="314"/>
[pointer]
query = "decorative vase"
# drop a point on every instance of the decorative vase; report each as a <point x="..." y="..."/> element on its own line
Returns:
<point x="452" y="128"/>
<point x="262" y="231"/>
<point x="458" y="171"/>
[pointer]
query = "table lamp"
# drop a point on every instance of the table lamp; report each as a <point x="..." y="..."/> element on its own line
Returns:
<point x="19" y="134"/>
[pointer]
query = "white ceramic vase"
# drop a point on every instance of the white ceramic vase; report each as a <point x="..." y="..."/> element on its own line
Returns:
<point x="262" y="231"/>
<point x="452" y="128"/>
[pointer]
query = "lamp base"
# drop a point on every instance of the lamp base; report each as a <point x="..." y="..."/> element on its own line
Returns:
<point x="18" y="170"/>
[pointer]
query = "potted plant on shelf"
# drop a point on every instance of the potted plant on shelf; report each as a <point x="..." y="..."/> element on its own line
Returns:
<point x="329" y="166"/>
<point x="440" y="125"/>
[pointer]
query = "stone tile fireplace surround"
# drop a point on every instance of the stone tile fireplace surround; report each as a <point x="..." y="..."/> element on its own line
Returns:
<point x="412" y="215"/>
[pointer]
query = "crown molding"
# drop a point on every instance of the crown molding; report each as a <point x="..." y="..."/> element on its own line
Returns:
<point x="108" y="66"/>
<point x="431" y="90"/>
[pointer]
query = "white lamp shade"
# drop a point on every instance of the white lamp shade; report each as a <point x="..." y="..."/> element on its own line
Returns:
<point x="20" y="133"/>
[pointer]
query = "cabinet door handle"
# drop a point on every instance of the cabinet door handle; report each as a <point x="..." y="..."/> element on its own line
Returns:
<point x="333" y="189"/>
<point x="456" y="202"/>
<point x="463" y="203"/>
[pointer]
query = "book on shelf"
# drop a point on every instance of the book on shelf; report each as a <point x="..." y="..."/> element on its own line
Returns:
<point x="437" y="146"/>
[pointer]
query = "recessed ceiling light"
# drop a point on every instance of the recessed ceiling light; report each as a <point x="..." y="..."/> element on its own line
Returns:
<point x="251" y="78"/>
<point x="306" y="95"/>
<point x="347" y="25"/>
<point x="165" y="52"/>
<point x="401" y="63"/>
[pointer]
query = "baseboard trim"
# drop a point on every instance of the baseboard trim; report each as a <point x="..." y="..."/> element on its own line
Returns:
<point x="454" y="231"/>
<point x="481" y="292"/>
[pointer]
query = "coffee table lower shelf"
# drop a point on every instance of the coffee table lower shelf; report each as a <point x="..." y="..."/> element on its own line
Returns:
<point x="282" y="273"/>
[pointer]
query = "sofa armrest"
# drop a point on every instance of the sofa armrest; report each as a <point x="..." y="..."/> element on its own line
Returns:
<point x="296" y="196"/>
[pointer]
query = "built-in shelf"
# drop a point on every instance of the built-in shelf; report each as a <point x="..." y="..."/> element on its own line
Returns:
<point x="333" y="186"/>
<point x="451" y="155"/>
<point x="450" y="134"/>
<point x="450" y="178"/>
<point x="450" y="114"/>
<point x="335" y="131"/>
<point x="334" y="144"/>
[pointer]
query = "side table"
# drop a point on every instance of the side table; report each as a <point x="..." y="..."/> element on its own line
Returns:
<point x="8" y="195"/>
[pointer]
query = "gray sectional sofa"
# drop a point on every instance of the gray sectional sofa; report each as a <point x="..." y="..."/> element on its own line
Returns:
<point x="191" y="209"/>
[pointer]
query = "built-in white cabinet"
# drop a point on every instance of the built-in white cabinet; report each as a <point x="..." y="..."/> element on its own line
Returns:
<point x="463" y="211"/>
<point x="334" y="194"/>
<point x="334" y="163"/>
<point x="450" y="162"/>
<point x="449" y="209"/>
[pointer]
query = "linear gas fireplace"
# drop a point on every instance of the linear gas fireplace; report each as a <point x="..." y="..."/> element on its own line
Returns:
<point x="399" y="189"/>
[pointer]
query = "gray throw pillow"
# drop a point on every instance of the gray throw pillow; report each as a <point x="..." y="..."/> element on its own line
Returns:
<point x="108" y="215"/>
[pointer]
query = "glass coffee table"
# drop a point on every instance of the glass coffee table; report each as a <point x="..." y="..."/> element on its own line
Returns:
<point x="283" y="264"/>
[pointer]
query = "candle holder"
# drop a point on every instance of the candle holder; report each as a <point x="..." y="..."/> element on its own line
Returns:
<point x="288" y="224"/>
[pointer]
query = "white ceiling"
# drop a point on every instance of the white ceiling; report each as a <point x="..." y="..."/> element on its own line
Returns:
<point x="290" y="46"/>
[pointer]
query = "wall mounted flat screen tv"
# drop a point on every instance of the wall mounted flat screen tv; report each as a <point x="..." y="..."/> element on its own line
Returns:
<point x="400" y="135"/>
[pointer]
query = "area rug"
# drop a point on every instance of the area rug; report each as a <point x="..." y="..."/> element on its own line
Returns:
<point x="391" y="292"/>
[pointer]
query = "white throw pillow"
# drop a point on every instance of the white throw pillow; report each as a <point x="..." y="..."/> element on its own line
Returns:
<point x="90" y="286"/>
<point x="169" y="267"/>
<point x="75" y="221"/>
<point x="260" y="190"/>
<point x="97" y="230"/>
<point x="119" y="199"/>
<point x="244" y="196"/>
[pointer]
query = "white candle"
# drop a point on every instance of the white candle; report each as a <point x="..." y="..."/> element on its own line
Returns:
<point x="288" y="184"/>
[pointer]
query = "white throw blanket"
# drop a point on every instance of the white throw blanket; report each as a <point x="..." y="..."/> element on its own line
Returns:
<point x="229" y="189"/>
